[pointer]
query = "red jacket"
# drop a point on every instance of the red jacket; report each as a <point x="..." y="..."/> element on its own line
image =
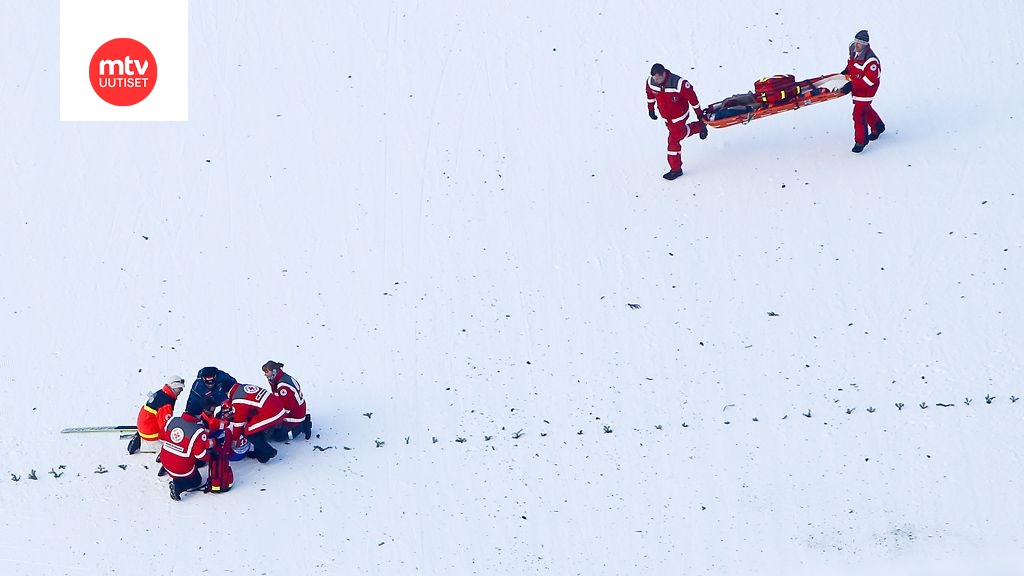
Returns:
<point x="865" y="72"/>
<point x="184" y="442"/>
<point x="256" y="409"/>
<point x="290" y="394"/>
<point x="674" y="98"/>
<point x="155" y="413"/>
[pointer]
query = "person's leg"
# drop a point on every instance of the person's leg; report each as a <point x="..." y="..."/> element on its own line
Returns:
<point x="139" y="444"/>
<point x="135" y="443"/>
<point x="279" y="433"/>
<point x="676" y="132"/>
<point x="262" y="449"/>
<point x="697" y="128"/>
<point x="874" y="122"/>
<point x="860" y="125"/>
<point x="186" y="484"/>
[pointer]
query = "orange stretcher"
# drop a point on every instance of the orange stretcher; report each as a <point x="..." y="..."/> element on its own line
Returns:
<point x="742" y="108"/>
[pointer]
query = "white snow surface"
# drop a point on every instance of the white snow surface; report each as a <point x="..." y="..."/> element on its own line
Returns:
<point x="439" y="214"/>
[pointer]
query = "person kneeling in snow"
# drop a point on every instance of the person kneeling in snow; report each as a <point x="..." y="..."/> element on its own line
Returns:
<point x="154" y="415"/>
<point x="296" y="421"/>
<point x="185" y="444"/>
<point x="210" y="381"/>
<point x="255" y="412"/>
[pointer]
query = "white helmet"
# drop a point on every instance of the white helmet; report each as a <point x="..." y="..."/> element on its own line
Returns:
<point x="176" y="382"/>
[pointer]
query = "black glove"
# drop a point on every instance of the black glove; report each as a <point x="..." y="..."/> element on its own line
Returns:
<point x="846" y="88"/>
<point x="652" y="114"/>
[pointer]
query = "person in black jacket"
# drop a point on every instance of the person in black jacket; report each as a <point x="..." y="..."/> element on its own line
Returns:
<point x="210" y="381"/>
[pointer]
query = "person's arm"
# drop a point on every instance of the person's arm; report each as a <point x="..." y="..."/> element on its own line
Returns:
<point x="650" y="101"/>
<point x="695" y="102"/>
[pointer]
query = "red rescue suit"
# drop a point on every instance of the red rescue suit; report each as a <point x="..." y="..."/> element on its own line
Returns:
<point x="865" y="74"/>
<point x="290" y="394"/>
<point x="256" y="409"/>
<point x="675" y="97"/>
<point x="185" y="441"/>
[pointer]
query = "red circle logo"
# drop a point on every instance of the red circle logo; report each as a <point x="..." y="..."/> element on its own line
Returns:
<point x="123" y="72"/>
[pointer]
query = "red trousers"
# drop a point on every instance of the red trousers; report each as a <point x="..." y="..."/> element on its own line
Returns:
<point x="677" y="131"/>
<point x="865" y="121"/>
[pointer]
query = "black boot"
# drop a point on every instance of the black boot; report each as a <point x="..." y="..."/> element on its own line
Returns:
<point x="264" y="451"/>
<point x="858" y="148"/>
<point x="134" y="444"/>
<point x="267" y="455"/>
<point x="703" y="131"/>
<point x="672" y="174"/>
<point x="175" y="495"/>
<point x="307" y="427"/>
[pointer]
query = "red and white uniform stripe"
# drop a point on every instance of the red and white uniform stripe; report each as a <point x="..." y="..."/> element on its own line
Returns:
<point x="256" y="409"/>
<point x="865" y="72"/>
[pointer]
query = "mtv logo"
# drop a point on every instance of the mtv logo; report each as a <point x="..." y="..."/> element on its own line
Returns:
<point x="123" y="60"/>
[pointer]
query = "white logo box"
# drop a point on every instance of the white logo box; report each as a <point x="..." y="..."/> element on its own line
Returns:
<point x="161" y="25"/>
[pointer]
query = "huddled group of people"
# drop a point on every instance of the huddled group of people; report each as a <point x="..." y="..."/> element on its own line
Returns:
<point x="223" y="421"/>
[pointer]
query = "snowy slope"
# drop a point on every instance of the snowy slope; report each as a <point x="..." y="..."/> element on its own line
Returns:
<point x="440" y="214"/>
